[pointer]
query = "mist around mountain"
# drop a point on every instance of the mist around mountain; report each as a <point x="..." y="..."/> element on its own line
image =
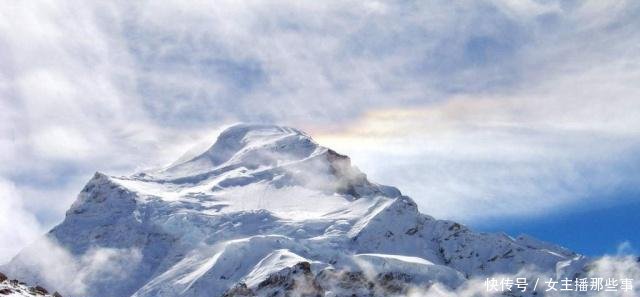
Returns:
<point x="267" y="211"/>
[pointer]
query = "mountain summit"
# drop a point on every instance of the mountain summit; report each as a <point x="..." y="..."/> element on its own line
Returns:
<point x="265" y="211"/>
<point x="249" y="146"/>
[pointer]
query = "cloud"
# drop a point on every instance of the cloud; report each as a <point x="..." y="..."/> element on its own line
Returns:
<point x="74" y="275"/>
<point x="625" y="249"/>
<point x="522" y="86"/>
<point x="67" y="109"/>
<point x="18" y="226"/>
<point x="608" y="267"/>
<point x="494" y="157"/>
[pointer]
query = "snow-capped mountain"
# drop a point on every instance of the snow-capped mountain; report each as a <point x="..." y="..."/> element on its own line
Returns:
<point x="265" y="211"/>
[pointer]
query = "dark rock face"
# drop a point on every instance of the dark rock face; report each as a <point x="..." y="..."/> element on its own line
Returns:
<point x="239" y="290"/>
<point x="5" y="291"/>
<point x="358" y="284"/>
<point x="295" y="281"/>
<point x="39" y="290"/>
<point x="15" y="287"/>
<point x="300" y="281"/>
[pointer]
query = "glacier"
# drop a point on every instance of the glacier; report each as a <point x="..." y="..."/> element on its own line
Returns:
<point x="265" y="211"/>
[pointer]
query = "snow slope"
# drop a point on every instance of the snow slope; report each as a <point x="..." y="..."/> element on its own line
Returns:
<point x="266" y="211"/>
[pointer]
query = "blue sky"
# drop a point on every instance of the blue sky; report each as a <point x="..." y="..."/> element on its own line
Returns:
<point x="594" y="231"/>
<point x="520" y="116"/>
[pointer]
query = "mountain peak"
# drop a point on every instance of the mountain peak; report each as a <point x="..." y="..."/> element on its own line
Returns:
<point x="259" y="129"/>
<point x="246" y="145"/>
<point x="246" y="137"/>
<point x="242" y="134"/>
<point x="249" y="153"/>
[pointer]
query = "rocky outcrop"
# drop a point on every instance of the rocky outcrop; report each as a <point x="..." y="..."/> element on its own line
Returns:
<point x="16" y="288"/>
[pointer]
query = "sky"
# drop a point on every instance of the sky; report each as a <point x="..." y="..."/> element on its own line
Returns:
<point x="515" y="116"/>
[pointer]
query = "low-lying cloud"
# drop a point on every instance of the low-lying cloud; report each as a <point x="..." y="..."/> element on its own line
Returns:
<point x="18" y="226"/>
<point x="608" y="267"/>
<point x="72" y="275"/>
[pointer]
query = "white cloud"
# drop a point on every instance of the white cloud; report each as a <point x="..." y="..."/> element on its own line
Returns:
<point x="625" y="248"/>
<point x="17" y="225"/>
<point x="493" y="157"/>
<point x="75" y="275"/>
<point x="617" y="268"/>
